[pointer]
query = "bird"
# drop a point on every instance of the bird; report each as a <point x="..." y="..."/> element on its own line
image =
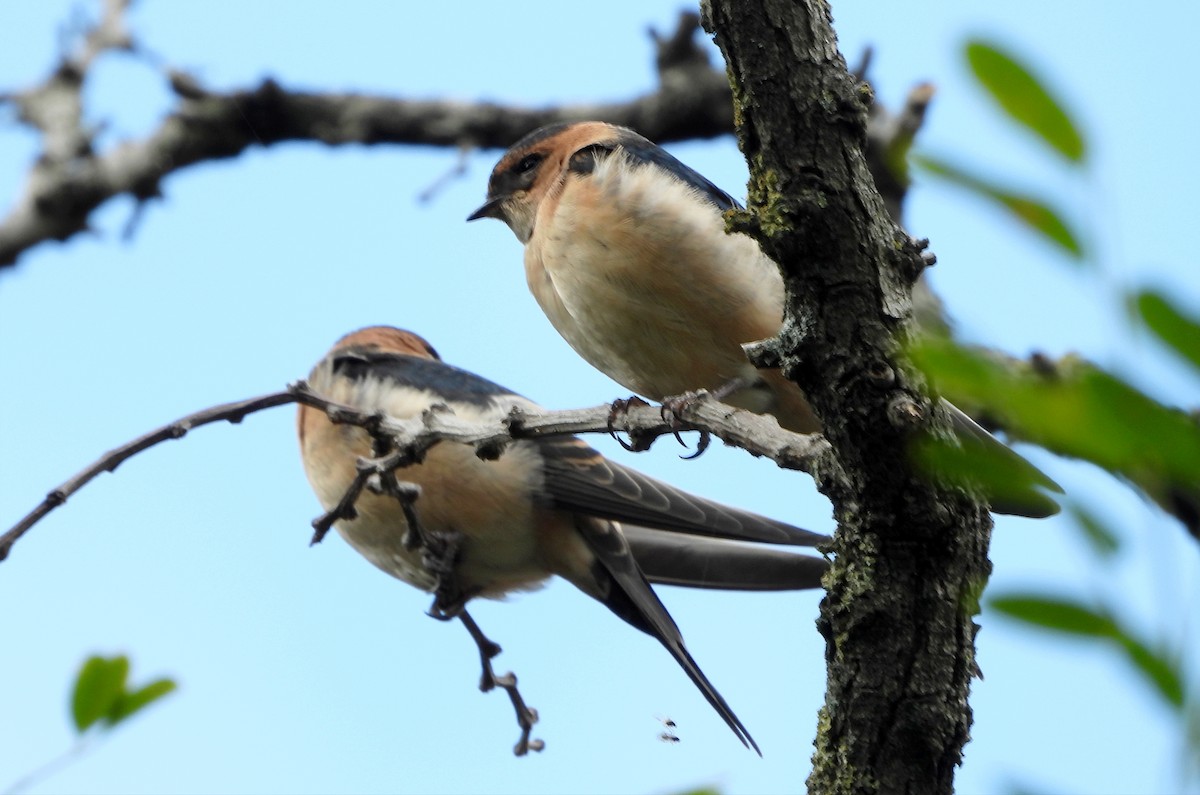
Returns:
<point x="625" y="250"/>
<point x="545" y="507"/>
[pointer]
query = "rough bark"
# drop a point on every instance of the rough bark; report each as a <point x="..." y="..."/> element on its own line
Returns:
<point x="911" y="558"/>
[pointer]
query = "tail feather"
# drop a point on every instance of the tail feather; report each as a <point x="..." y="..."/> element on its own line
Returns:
<point x="700" y="562"/>
<point x="1013" y="485"/>
<point x="624" y="590"/>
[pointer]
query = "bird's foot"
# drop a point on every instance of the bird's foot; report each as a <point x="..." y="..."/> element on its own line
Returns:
<point x="672" y="410"/>
<point x="619" y="408"/>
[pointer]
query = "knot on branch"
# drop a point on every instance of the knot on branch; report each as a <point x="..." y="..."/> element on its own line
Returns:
<point x="1043" y="365"/>
<point x="910" y="255"/>
<point x="764" y="354"/>
<point x="186" y="86"/>
<point x="796" y="341"/>
<point x="904" y="412"/>
<point x="880" y="374"/>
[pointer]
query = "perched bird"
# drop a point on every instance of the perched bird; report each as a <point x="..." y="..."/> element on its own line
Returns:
<point x="627" y="254"/>
<point x="545" y="507"/>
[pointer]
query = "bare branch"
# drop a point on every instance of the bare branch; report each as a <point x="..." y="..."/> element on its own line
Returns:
<point x="526" y="715"/>
<point x="440" y="556"/>
<point x="343" y="510"/>
<point x="409" y="439"/>
<point x="890" y="136"/>
<point x="399" y="443"/>
<point x="70" y="180"/>
<point x="758" y="434"/>
<point x="228" y="412"/>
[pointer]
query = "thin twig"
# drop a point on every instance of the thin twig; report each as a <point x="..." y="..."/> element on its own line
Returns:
<point x="527" y="716"/>
<point x="229" y="412"/>
<point x="440" y="556"/>
<point x="67" y="758"/>
<point x="343" y="510"/>
<point x="454" y="172"/>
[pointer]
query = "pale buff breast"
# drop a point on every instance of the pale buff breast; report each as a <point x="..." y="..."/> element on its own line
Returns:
<point x="488" y="502"/>
<point x="609" y="262"/>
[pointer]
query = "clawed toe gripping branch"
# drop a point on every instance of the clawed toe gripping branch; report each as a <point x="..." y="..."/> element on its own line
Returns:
<point x="670" y="412"/>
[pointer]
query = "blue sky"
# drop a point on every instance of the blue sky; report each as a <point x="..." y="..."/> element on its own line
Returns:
<point x="306" y="670"/>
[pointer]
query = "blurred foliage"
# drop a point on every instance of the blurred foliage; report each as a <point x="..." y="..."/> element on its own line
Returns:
<point x="1075" y="408"/>
<point x="1172" y="326"/>
<point x="1102" y="539"/>
<point x="1069" y="617"/>
<point x="1025" y="98"/>
<point x="100" y="698"/>
<point x="1027" y="210"/>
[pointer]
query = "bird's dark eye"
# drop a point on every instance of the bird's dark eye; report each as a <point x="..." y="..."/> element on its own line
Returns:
<point x="527" y="163"/>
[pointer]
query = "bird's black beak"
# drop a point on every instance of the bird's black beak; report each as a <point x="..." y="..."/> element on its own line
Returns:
<point x="492" y="208"/>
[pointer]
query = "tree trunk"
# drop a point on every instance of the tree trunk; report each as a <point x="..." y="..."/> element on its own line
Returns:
<point x="910" y="557"/>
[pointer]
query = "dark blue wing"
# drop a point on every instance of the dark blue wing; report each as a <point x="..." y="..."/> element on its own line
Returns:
<point x="645" y="151"/>
<point x="579" y="479"/>
<point x="642" y="150"/>
<point x="419" y="373"/>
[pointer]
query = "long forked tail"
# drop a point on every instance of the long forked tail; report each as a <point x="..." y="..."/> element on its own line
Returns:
<point x="630" y="596"/>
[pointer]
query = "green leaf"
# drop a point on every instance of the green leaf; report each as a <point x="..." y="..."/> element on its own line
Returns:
<point x="99" y="685"/>
<point x="1024" y="98"/>
<point x="1104" y="541"/>
<point x="1033" y="213"/>
<point x="1008" y="481"/>
<point x="1157" y="669"/>
<point x="1061" y="615"/>
<point x="1170" y="324"/>
<point x="132" y="702"/>
<point x="1075" y="409"/>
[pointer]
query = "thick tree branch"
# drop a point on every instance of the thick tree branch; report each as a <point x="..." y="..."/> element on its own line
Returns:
<point x="911" y="558"/>
<point x="70" y="179"/>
